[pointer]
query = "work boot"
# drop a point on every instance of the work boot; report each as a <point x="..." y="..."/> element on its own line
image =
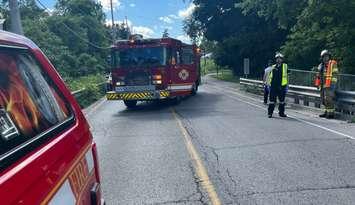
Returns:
<point x="271" y="108"/>
<point x="324" y="115"/>
<point x="282" y="115"/>
<point x="269" y="115"/>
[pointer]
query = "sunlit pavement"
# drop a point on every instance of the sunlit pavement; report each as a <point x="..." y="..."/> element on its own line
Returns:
<point x="249" y="158"/>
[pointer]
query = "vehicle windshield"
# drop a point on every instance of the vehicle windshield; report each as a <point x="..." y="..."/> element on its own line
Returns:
<point x="140" y="57"/>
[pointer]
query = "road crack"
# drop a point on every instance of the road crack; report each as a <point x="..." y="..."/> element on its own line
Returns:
<point x="301" y="189"/>
<point x="278" y="142"/>
<point x="204" y="154"/>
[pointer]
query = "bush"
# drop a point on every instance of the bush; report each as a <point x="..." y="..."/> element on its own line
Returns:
<point x="91" y="94"/>
<point x="93" y="88"/>
<point x="208" y="66"/>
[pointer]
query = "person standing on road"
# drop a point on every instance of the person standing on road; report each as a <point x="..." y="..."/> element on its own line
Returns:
<point x="278" y="80"/>
<point x="266" y="82"/>
<point x="326" y="81"/>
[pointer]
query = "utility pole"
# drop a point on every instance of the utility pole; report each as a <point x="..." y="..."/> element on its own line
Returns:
<point x="128" y="30"/>
<point x="113" y="24"/>
<point x="16" y="26"/>
<point x="2" y="21"/>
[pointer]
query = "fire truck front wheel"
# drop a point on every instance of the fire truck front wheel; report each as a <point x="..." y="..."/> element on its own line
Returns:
<point x="194" y="89"/>
<point x="130" y="103"/>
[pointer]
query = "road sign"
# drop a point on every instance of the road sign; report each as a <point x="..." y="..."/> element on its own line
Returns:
<point x="246" y="66"/>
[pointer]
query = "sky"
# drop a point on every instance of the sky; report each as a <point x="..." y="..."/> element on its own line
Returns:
<point x="148" y="17"/>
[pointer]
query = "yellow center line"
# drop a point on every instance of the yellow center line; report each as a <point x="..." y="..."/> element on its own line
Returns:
<point x="198" y="164"/>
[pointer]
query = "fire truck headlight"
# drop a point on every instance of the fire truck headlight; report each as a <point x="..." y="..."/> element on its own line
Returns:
<point x="120" y="83"/>
<point x="157" y="82"/>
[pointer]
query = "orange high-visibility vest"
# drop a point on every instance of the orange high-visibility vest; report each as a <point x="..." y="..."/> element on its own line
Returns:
<point x="329" y="78"/>
<point x="331" y="68"/>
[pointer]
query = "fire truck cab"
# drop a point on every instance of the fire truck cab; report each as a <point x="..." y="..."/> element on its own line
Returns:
<point x="153" y="69"/>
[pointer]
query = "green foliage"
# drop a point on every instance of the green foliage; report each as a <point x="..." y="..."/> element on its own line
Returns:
<point x="73" y="36"/>
<point x="83" y="82"/>
<point x="235" y="35"/>
<point x="285" y="12"/>
<point x="165" y="33"/>
<point x="227" y="75"/>
<point x="208" y="66"/>
<point x="207" y="46"/>
<point x="121" y="31"/>
<point x="92" y="93"/>
<point x="256" y="29"/>
<point x="324" y="24"/>
<point x="94" y="89"/>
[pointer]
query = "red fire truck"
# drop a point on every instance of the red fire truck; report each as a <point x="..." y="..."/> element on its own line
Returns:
<point x="47" y="152"/>
<point x="153" y="69"/>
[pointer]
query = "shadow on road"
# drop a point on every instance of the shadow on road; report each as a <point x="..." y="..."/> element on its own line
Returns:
<point x="201" y="102"/>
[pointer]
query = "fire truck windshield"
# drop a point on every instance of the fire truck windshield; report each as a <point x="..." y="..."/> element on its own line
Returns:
<point x="140" y="57"/>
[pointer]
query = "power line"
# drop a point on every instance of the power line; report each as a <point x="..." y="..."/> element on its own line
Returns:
<point x="82" y="11"/>
<point x="75" y="33"/>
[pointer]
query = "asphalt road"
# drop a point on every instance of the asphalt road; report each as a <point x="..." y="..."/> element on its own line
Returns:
<point x="249" y="159"/>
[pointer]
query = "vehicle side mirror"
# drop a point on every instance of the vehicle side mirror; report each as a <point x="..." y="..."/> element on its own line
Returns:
<point x="109" y="60"/>
<point x="173" y="61"/>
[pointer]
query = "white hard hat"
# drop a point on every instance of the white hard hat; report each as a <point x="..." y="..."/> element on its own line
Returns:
<point x="324" y="52"/>
<point x="279" y="55"/>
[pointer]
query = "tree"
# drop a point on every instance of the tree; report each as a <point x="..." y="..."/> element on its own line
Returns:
<point x="324" y="25"/>
<point x="72" y="36"/>
<point x="237" y="35"/>
<point x="122" y="30"/>
<point x="165" y="33"/>
<point x="285" y="12"/>
<point x="258" y="28"/>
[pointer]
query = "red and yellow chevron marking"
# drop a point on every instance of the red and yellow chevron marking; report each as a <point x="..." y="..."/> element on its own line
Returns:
<point x="136" y="95"/>
<point x="112" y="96"/>
<point x="164" y="94"/>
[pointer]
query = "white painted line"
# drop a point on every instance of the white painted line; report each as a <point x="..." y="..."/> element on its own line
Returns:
<point x="322" y="127"/>
<point x="291" y="116"/>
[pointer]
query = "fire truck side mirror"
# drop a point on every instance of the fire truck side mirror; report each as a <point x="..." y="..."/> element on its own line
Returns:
<point x="173" y="61"/>
<point x="109" y="60"/>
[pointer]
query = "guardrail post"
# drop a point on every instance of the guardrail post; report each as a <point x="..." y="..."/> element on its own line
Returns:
<point x="317" y="104"/>
<point x="297" y="100"/>
<point x="305" y="101"/>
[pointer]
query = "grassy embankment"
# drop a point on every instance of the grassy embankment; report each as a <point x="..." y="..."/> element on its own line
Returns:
<point x="221" y="73"/>
<point x="94" y="89"/>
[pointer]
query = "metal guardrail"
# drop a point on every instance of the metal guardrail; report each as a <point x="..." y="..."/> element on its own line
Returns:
<point x="78" y="93"/>
<point x="298" y="93"/>
<point x="345" y="100"/>
<point x="87" y="96"/>
<point x="346" y="82"/>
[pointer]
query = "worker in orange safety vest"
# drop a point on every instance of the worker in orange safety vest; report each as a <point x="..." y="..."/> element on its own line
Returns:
<point x="326" y="81"/>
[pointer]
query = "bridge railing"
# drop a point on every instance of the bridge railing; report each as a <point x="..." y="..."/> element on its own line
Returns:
<point x="306" y="78"/>
<point x="297" y="93"/>
<point x="345" y="100"/>
<point x="86" y="96"/>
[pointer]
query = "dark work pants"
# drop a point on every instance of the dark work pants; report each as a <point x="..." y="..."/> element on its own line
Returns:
<point x="328" y="96"/>
<point x="275" y="93"/>
<point x="266" y="93"/>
